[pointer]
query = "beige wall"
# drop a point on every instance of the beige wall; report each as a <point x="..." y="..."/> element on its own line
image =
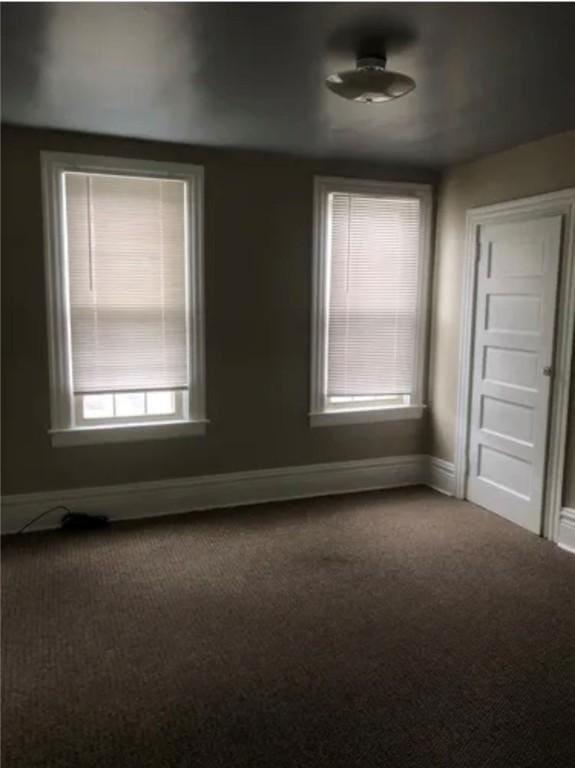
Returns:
<point x="258" y="286"/>
<point x="530" y="169"/>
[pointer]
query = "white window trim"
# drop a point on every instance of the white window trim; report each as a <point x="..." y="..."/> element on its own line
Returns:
<point x="61" y="401"/>
<point x="126" y="433"/>
<point x="320" y="413"/>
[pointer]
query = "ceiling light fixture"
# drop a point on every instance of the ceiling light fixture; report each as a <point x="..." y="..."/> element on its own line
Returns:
<point x="370" y="81"/>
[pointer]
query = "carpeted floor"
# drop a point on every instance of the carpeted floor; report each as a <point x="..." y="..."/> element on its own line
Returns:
<point x="395" y="629"/>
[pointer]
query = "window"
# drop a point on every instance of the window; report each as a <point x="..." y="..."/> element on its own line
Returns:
<point x="371" y="256"/>
<point x="124" y="265"/>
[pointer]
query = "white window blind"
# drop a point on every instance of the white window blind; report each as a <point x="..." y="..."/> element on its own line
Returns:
<point x="373" y="245"/>
<point x="126" y="252"/>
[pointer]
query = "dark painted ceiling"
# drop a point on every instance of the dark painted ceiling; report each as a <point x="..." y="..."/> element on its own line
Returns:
<point x="251" y="75"/>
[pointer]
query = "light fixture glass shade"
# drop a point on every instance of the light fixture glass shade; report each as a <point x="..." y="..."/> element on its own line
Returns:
<point x="370" y="82"/>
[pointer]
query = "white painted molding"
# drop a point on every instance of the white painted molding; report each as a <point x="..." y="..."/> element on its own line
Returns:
<point x="126" y="433"/>
<point x="566" y="532"/>
<point x="554" y="203"/>
<point x="323" y="187"/>
<point x="441" y="475"/>
<point x="54" y="165"/>
<point x="168" y="497"/>
<point x="366" y="416"/>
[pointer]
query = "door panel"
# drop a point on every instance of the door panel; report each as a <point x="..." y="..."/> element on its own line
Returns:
<point x="513" y="345"/>
<point x="513" y="421"/>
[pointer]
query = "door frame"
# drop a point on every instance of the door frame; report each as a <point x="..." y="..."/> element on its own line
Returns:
<point x="553" y="203"/>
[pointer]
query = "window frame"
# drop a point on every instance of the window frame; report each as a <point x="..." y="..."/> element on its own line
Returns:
<point x="321" y="414"/>
<point x="180" y="410"/>
<point x="63" y="430"/>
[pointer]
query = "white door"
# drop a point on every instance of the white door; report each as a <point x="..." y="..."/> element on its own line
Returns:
<point x="513" y="354"/>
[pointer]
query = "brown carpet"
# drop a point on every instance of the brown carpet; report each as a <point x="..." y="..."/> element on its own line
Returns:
<point x="391" y="629"/>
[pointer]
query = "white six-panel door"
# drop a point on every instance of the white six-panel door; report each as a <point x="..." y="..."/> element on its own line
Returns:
<point x="513" y="353"/>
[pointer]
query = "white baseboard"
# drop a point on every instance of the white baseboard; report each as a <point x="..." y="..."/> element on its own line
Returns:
<point x="168" y="497"/>
<point x="441" y="475"/>
<point x="566" y="534"/>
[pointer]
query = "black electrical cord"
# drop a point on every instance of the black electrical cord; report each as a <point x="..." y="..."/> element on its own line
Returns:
<point x="45" y="512"/>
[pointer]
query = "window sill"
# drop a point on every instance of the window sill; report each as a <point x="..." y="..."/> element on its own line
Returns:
<point x="366" y="416"/>
<point x="128" y="433"/>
